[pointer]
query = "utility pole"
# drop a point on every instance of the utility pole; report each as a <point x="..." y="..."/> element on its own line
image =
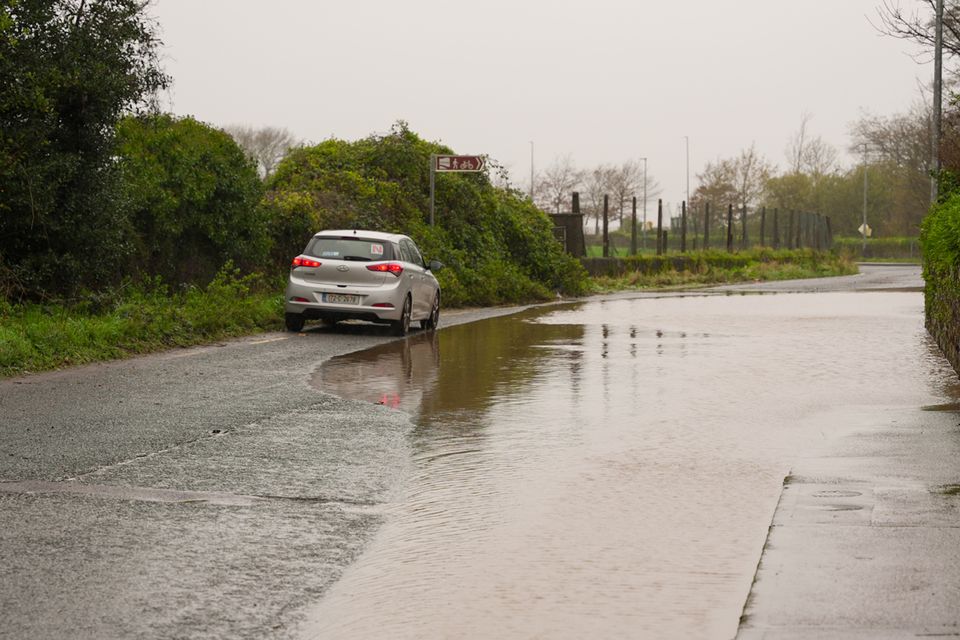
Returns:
<point x="937" y="101"/>
<point x="687" y="138"/>
<point x="864" y="227"/>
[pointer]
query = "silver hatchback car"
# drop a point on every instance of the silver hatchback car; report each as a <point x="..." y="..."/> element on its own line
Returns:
<point x="362" y="275"/>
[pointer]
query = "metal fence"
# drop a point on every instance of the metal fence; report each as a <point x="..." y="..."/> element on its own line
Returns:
<point x="708" y="227"/>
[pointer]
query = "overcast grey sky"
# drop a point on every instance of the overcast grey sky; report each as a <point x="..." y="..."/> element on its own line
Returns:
<point x="601" y="80"/>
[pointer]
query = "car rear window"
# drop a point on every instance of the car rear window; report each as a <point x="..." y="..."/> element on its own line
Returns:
<point x="351" y="248"/>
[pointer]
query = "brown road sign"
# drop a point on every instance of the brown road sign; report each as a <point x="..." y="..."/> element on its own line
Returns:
<point x="460" y="163"/>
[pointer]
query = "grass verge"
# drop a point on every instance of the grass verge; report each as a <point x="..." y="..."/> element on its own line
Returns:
<point x="706" y="273"/>
<point x="152" y="317"/>
<point x="134" y="320"/>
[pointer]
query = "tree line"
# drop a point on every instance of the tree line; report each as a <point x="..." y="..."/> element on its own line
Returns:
<point x="893" y="151"/>
<point x="619" y="182"/>
<point x="98" y="187"/>
<point x="889" y="174"/>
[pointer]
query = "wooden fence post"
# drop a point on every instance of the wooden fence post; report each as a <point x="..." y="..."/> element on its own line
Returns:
<point x="683" y="227"/>
<point x="729" y="228"/>
<point x="763" y="225"/>
<point x="706" y="227"/>
<point x="660" y="242"/>
<point x="776" y="228"/>
<point x="743" y="236"/>
<point x="606" y="221"/>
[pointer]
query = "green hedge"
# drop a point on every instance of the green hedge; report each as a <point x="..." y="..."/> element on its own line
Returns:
<point x="497" y="246"/>
<point x="940" y="241"/>
<point x="879" y="248"/>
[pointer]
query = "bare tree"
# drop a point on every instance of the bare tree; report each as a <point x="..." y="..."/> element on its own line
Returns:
<point x="750" y="174"/>
<point x="556" y="183"/>
<point x="717" y="188"/>
<point x="806" y="154"/>
<point x="797" y="145"/>
<point x="596" y="184"/>
<point x="625" y="182"/>
<point x="903" y="139"/>
<point x="918" y="26"/>
<point x="899" y="147"/>
<point x="266" y="146"/>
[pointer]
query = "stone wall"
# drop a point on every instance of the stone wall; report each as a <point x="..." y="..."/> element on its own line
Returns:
<point x="942" y="304"/>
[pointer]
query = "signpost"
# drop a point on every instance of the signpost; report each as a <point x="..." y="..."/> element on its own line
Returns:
<point x="452" y="164"/>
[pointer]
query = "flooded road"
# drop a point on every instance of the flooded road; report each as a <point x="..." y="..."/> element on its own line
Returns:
<point x="610" y="469"/>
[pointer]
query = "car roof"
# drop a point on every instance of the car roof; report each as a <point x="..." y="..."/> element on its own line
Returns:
<point x="360" y="233"/>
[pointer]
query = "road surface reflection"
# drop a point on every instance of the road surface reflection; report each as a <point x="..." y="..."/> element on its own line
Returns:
<point x="609" y="469"/>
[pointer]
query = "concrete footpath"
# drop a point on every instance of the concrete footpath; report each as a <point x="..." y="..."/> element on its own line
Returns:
<point x="865" y="541"/>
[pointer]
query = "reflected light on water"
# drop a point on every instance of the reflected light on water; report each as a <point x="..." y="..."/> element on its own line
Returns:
<point x="610" y="469"/>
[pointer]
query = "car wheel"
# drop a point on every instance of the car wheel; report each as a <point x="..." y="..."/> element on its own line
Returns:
<point x="430" y="322"/>
<point x="293" y="321"/>
<point x="402" y="326"/>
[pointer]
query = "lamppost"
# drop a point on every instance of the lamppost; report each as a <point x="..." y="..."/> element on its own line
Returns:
<point x="687" y="139"/>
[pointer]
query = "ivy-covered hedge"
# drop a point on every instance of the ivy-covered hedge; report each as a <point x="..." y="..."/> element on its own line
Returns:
<point x="940" y="242"/>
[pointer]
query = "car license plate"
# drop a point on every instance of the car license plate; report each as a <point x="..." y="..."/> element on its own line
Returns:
<point x="341" y="298"/>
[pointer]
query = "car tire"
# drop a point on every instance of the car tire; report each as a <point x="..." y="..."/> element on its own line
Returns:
<point x="430" y="322"/>
<point x="293" y="322"/>
<point x="402" y="326"/>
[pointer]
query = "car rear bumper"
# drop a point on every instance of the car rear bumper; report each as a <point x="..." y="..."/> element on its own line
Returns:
<point x="313" y="307"/>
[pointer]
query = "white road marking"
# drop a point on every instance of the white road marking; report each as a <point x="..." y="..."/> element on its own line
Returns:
<point x="270" y="340"/>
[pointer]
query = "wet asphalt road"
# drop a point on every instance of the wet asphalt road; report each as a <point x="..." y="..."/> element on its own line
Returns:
<point x="207" y="492"/>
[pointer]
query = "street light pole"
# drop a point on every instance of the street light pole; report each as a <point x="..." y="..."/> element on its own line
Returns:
<point x="687" y="138"/>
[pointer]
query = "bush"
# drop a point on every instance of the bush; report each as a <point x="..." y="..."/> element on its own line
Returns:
<point x="497" y="246"/>
<point x="193" y="198"/>
<point x="879" y="248"/>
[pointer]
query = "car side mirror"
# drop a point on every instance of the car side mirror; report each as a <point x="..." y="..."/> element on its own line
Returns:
<point x="435" y="265"/>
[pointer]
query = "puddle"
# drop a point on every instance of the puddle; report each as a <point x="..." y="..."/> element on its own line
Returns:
<point x="837" y="494"/>
<point x="609" y="469"/>
<point x="839" y="507"/>
<point x="949" y="407"/>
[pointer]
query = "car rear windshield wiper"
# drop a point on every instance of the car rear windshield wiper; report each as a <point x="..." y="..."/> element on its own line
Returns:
<point x="357" y="258"/>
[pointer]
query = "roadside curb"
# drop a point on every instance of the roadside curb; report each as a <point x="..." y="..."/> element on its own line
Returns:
<point x="864" y="541"/>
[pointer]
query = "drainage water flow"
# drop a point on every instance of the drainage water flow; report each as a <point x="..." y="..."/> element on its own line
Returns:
<point x="609" y="469"/>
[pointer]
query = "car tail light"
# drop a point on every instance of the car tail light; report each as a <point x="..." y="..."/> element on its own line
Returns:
<point x="387" y="267"/>
<point x="300" y="261"/>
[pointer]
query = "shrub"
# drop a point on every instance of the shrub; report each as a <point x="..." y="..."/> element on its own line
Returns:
<point x="497" y="247"/>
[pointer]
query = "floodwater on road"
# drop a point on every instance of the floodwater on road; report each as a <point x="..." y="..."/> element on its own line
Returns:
<point x="609" y="469"/>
